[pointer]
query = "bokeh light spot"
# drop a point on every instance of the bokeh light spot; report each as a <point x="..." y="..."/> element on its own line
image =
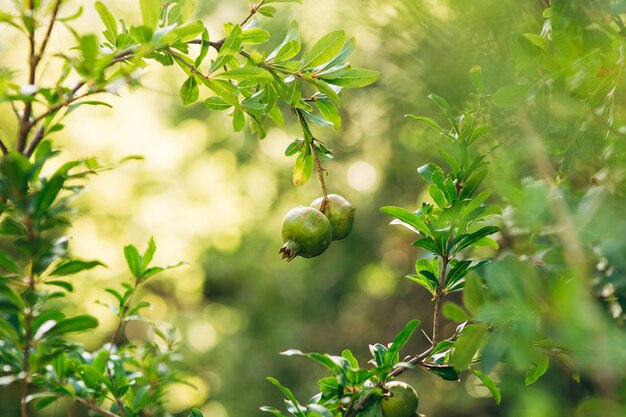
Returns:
<point x="362" y="176"/>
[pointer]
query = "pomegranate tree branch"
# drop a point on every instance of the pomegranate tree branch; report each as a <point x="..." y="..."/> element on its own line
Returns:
<point x="438" y="296"/>
<point x="46" y="38"/>
<point x="24" y="122"/>
<point x="254" y="7"/>
<point x="318" y="165"/>
<point x="96" y="408"/>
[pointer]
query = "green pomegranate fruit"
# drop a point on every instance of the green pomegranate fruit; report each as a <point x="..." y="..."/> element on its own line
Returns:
<point x="400" y="400"/>
<point x="340" y="213"/>
<point x="306" y="232"/>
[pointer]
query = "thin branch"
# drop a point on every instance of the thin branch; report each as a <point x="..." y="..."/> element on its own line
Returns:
<point x="26" y="363"/>
<point x="96" y="408"/>
<point x="318" y="164"/>
<point x="3" y="148"/>
<point x="120" y="324"/>
<point x="40" y="133"/>
<point x="46" y="38"/>
<point x="438" y="296"/>
<point x="320" y="174"/>
<point x="182" y="60"/>
<point x="253" y="9"/>
<point x="24" y="125"/>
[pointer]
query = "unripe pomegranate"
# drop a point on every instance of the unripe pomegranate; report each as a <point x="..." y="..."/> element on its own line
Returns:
<point x="340" y="213"/>
<point x="400" y="400"/>
<point x="306" y="232"/>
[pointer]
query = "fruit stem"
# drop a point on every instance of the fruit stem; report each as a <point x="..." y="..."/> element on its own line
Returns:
<point x="320" y="175"/>
<point x="308" y="136"/>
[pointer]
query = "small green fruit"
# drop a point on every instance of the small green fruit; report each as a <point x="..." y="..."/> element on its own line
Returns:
<point x="340" y="213"/>
<point x="401" y="400"/>
<point x="306" y="232"/>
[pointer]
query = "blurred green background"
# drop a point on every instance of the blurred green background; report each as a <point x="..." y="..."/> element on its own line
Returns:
<point x="216" y="200"/>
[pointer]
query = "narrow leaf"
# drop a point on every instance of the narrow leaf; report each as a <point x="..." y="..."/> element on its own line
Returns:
<point x="303" y="169"/>
<point x="189" y="91"/>
<point x="537" y="370"/>
<point x="491" y="386"/>
<point x="74" y="266"/>
<point x="323" y="50"/>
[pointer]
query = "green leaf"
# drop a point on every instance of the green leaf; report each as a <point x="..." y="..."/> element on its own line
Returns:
<point x="454" y="312"/>
<point x="303" y="169"/>
<point x="74" y="266"/>
<point x="445" y="372"/>
<point x="184" y="33"/>
<point x="189" y="91"/>
<point x="286" y="51"/>
<point x="73" y="324"/>
<point x="180" y="12"/>
<point x="491" y="386"/>
<point x="195" y="413"/>
<point x="459" y="270"/>
<point x="150" y="11"/>
<point x="267" y="11"/>
<point x="289" y="47"/>
<point x="352" y="77"/>
<point x="89" y="50"/>
<point x="473" y="293"/>
<point x="510" y="95"/>
<point x="12" y="296"/>
<point x="472" y="238"/>
<point x="248" y="73"/>
<point x="399" y="341"/>
<point x="407" y="217"/>
<point x="9" y="264"/>
<point x="327" y="89"/>
<point x="319" y="410"/>
<point x="476" y="75"/>
<point x="537" y="370"/>
<point x="45" y="401"/>
<point x="344" y="54"/>
<point x="329" y="111"/>
<point x="239" y="119"/>
<point x="225" y="90"/>
<point x="323" y="50"/>
<point x="427" y="243"/>
<point x="216" y="103"/>
<point x="294" y="147"/>
<point x="438" y="196"/>
<point x="424" y="281"/>
<point x="272" y="410"/>
<point x="254" y="36"/>
<point x="441" y="103"/>
<point x="109" y="22"/>
<point x="230" y="47"/>
<point x="63" y="284"/>
<point x="379" y="352"/>
<point x="347" y="354"/>
<point x="315" y="119"/>
<point x="470" y="340"/>
<point x="204" y="48"/>
<point x="287" y="393"/>
<point x="428" y="122"/>
<point x="441" y="346"/>
<point x="427" y="171"/>
<point x="147" y="256"/>
<point x="158" y="269"/>
<point x="133" y="260"/>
